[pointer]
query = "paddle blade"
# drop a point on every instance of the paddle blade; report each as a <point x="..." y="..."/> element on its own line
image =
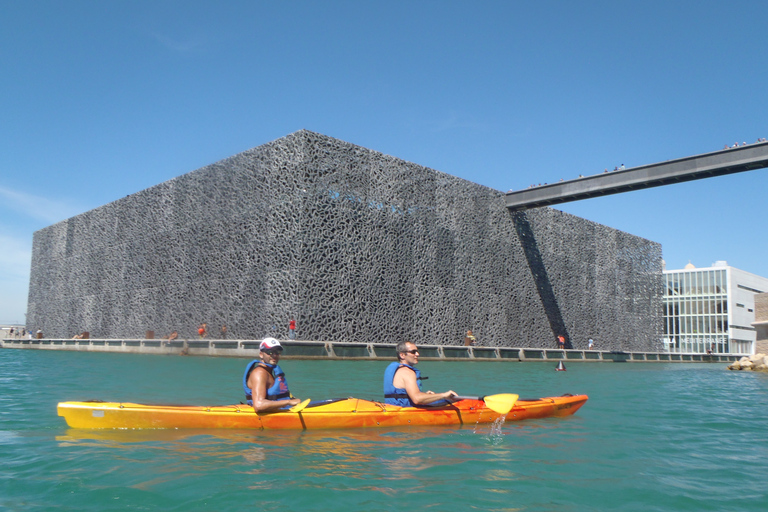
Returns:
<point x="501" y="403"/>
<point x="300" y="407"/>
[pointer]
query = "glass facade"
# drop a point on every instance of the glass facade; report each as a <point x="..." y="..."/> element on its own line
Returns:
<point x="696" y="311"/>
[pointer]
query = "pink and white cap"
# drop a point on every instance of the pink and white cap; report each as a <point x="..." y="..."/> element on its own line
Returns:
<point x="270" y="344"/>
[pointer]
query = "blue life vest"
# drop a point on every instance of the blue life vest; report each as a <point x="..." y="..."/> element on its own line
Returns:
<point x="398" y="396"/>
<point x="278" y="390"/>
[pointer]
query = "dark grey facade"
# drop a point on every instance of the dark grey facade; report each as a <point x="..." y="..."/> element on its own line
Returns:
<point x="355" y="245"/>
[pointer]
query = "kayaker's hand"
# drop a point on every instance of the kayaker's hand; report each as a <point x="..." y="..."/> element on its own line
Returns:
<point x="294" y="401"/>
<point x="450" y="395"/>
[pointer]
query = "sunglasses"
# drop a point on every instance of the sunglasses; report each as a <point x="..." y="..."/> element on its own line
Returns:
<point x="414" y="351"/>
<point x="272" y="352"/>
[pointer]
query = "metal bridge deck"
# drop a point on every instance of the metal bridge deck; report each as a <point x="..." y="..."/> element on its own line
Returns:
<point x="707" y="165"/>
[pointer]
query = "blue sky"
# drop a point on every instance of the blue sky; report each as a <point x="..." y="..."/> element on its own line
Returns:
<point x="103" y="99"/>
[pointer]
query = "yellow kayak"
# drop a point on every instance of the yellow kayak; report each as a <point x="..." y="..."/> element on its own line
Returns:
<point x="325" y="414"/>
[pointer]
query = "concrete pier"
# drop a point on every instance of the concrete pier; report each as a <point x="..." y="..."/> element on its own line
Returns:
<point x="355" y="351"/>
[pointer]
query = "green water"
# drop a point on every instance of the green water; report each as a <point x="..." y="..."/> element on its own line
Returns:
<point x="651" y="437"/>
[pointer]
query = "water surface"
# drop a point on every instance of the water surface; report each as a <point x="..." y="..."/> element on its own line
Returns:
<point x="653" y="436"/>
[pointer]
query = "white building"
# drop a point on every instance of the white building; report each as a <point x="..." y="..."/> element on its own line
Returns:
<point x="710" y="309"/>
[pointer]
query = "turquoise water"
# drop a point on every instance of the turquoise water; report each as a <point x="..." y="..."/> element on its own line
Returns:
<point x="651" y="437"/>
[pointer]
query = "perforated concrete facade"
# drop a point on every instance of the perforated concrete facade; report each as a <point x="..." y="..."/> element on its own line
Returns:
<point x="355" y="245"/>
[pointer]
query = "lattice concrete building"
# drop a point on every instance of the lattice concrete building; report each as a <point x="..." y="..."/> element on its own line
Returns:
<point x="355" y="245"/>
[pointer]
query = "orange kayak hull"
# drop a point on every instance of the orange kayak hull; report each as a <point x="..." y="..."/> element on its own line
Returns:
<point x="346" y="413"/>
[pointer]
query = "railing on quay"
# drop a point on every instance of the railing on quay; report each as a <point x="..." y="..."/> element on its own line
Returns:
<point x="363" y="351"/>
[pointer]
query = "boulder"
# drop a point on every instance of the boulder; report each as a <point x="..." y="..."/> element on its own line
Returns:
<point x="757" y="362"/>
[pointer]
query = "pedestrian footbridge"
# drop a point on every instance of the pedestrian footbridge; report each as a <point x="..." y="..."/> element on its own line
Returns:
<point x="707" y="165"/>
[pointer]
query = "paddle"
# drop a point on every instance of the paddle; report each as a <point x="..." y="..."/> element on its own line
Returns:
<point x="501" y="403"/>
<point x="300" y="406"/>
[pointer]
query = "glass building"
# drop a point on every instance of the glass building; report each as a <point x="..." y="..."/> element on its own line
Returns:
<point x="710" y="309"/>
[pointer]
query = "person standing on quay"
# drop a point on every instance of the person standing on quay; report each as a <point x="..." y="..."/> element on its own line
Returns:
<point x="292" y="329"/>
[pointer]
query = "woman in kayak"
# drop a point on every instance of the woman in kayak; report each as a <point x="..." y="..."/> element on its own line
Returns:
<point x="402" y="381"/>
<point x="264" y="381"/>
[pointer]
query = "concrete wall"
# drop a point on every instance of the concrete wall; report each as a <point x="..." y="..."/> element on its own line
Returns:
<point x="744" y="289"/>
<point x="761" y="323"/>
<point x="357" y="246"/>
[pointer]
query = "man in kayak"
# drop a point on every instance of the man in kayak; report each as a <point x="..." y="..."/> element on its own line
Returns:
<point x="264" y="381"/>
<point x="402" y="381"/>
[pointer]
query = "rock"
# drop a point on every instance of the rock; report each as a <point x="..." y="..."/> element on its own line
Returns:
<point x="757" y="362"/>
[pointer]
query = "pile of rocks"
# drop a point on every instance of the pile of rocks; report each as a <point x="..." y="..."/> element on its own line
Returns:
<point x="757" y="362"/>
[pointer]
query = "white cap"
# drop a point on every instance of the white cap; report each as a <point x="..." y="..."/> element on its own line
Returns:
<point x="269" y="344"/>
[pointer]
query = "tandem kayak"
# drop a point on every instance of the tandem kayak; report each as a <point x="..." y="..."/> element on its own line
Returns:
<point x="324" y="414"/>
